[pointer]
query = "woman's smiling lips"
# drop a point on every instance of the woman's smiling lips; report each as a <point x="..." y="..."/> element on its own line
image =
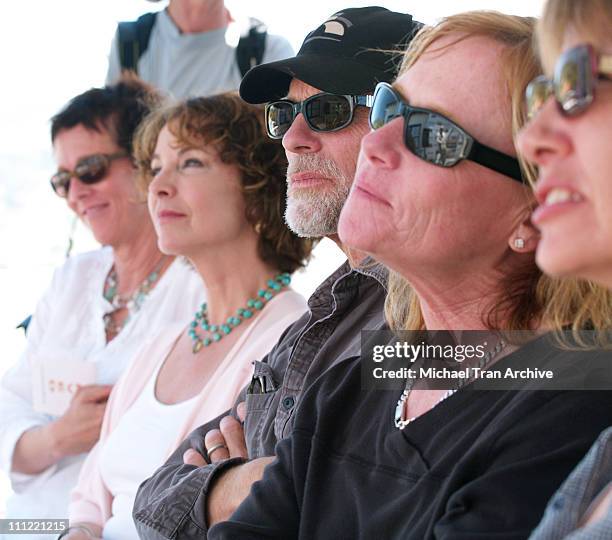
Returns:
<point x="555" y="200"/>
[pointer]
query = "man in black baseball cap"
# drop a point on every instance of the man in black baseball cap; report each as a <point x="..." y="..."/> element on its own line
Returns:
<point x="347" y="54"/>
<point x="321" y="122"/>
<point x="325" y="116"/>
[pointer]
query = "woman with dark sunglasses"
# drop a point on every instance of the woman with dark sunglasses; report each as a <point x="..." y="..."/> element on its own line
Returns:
<point x="569" y="139"/>
<point x="436" y="197"/>
<point x="99" y="308"/>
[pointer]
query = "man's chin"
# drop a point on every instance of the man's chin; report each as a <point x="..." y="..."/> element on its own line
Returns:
<point x="307" y="193"/>
<point x="307" y="223"/>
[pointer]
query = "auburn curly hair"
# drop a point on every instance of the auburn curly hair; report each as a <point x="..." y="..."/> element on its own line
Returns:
<point x="236" y="130"/>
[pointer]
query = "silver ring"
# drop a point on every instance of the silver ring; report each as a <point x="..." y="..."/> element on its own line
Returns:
<point x="216" y="447"/>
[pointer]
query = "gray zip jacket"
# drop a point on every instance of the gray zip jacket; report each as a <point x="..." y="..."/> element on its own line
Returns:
<point x="172" y="503"/>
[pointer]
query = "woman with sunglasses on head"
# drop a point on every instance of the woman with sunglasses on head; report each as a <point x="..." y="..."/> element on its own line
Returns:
<point x="216" y="192"/>
<point x="448" y="212"/>
<point x="570" y="139"/>
<point x="100" y="306"/>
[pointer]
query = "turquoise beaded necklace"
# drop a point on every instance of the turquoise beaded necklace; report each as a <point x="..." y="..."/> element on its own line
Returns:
<point x="217" y="331"/>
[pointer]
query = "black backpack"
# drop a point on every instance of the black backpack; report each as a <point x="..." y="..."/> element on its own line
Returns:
<point x="134" y="40"/>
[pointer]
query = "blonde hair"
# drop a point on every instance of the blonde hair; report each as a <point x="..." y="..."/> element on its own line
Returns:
<point x="592" y="18"/>
<point x="528" y="296"/>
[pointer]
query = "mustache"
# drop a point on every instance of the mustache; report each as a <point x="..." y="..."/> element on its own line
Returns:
<point x="312" y="162"/>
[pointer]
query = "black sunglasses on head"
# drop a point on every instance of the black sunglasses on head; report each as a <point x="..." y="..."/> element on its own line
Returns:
<point x="323" y="112"/>
<point x="89" y="170"/>
<point x="573" y="84"/>
<point x="434" y="137"/>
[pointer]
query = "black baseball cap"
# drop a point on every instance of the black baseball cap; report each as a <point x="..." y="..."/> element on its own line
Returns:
<point x="347" y="54"/>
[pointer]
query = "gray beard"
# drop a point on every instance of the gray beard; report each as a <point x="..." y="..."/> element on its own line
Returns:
<point x="314" y="214"/>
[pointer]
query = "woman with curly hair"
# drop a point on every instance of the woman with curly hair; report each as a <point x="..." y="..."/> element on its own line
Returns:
<point x="216" y="193"/>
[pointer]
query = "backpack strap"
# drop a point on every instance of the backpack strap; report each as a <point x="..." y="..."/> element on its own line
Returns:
<point x="134" y="40"/>
<point x="251" y="47"/>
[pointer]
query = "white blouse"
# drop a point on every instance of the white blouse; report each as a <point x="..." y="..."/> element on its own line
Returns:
<point x="68" y="323"/>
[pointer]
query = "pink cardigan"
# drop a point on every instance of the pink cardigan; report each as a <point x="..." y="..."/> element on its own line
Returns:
<point x="90" y="500"/>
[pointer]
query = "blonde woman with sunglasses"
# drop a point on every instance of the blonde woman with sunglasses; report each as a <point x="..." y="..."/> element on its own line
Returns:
<point x="100" y="307"/>
<point x="569" y="138"/>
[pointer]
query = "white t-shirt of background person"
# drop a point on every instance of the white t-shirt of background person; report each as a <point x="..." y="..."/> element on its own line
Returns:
<point x="68" y="323"/>
<point x="190" y="65"/>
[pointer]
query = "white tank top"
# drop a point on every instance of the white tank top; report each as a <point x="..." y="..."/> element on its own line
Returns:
<point x="124" y="465"/>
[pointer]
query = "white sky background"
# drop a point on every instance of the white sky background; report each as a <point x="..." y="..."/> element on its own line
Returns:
<point x="52" y="50"/>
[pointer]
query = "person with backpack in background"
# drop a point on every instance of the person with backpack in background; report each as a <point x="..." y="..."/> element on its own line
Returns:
<point x="182" y="50"/>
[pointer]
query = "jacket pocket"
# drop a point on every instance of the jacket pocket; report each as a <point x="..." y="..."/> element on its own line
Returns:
<point x="259" y="424"/>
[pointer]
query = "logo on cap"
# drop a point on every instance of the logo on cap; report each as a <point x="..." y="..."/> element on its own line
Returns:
<point x="334" y="26"/>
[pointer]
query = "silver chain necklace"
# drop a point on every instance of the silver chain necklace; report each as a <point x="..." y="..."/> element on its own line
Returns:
<point x="132" y="303"/>
<point x="399" y="408"/>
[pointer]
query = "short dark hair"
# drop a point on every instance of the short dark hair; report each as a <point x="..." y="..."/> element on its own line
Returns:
<point x="118" y="108"/>
<point x="236" y="130"/>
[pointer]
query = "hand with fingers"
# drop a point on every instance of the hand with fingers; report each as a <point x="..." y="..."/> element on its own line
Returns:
<point x="233" y="484"/>
<point x="226" y="442"/>
<point x="78" y="429"/>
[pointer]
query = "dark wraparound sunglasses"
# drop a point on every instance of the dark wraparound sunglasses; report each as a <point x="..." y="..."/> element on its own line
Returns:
<point x="434" y="137"/>
<point x="573" y="84"/>
<point x="89" y="170"/>
<point x="323" y="112"/>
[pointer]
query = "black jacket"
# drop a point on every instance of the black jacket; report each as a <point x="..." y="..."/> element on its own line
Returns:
<point x="480" y="465"/>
